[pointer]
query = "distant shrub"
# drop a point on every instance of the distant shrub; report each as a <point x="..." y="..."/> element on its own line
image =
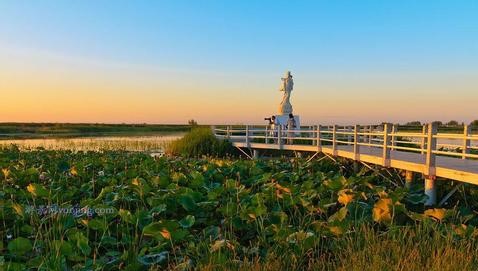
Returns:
<point x="199" y="142"/>
<point x="452" y="123"/>
<point x="414" y="123"/>
<point x="192" y="122"/>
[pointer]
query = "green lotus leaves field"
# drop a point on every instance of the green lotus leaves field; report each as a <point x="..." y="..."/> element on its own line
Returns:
<point x="64" y="210"/>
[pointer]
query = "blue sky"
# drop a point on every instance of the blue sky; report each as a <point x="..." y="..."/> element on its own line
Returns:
<point x="320" y="41"/>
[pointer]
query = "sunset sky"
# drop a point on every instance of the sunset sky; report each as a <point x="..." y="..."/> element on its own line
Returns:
<point x="220" y="61"/>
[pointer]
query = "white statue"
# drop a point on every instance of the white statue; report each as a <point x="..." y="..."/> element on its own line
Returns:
<point x="287" y="85"/>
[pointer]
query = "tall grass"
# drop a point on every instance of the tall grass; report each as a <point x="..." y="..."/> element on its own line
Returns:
<point x="414" y="247"/>
<point x="418" y="247"/>
<point x="126" y="143"/>
<point x="199" y="142"/>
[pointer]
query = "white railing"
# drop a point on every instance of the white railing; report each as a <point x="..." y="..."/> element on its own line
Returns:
<point x="426" y="141"/>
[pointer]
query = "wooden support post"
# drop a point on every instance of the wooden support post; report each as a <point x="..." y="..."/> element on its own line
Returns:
<point x="387" y="129"/>
<point x="430" y="191"/>
<point x="279" y="136"/>
<point x="247" y="136"/>
<point x="334" y="140"/>
<point x="319" y="143"/>
<point x="430" y="166"/>
<point x="424" y="132"/>
<point x="356" y="143"/>
<point x="466" y="141"/>
<point x="255" y="154"/>
<point x="408" y="178"/>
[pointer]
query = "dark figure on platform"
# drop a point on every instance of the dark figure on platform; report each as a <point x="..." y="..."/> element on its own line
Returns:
<point x="291" y="125"/>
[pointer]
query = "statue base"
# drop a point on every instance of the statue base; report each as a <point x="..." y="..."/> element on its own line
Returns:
<point x="282" y="120"/>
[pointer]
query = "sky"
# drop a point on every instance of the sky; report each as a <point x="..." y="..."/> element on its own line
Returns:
<point x="220" y="61"/>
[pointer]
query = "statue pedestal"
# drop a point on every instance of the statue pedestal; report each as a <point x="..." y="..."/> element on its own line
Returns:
<point x="282" y="120"/>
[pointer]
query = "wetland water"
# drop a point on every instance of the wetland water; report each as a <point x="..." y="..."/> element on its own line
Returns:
<point x="448" y="143"/>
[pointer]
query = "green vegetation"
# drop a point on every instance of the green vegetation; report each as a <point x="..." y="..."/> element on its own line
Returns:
<point x="199" y="142"/>
<point x="136" y="212"/>
<point x="36" y="130"/>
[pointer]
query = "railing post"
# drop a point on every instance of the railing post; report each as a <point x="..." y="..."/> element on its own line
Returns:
<point x="279" y="136"/>
<point x="266" y="135"/>
<point x="334" y="140"/>
<point x="424" y="132"/>
<point x="430" y="165"/>
<point x="466" y="141"/>
<point x="247" y="136"/>
<point x="394" y="130"/>
<point x="431" y="147"/>
<point x="356" y="143"/>
<point x="387" y="128"/>
<point x="319" y="143"/>
<point x="228" y="132"/>
<point x="370" y="136"/>
<point x="349" y="136"/>
<point x="314" y="130"/>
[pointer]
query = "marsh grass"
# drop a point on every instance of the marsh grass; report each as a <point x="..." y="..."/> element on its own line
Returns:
<point x="199" y="142"/>
<point x="416" y="247"/>
<point x="123" y="143"/>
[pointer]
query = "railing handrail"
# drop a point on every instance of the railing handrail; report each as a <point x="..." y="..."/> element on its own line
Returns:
<point x="388" y="139"/>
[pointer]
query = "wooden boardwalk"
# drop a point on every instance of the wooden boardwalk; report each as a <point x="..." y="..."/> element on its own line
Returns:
<point x="384" y="145"/>
<point x="446" y="167"/>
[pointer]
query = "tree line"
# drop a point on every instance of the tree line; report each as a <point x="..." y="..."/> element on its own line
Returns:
<point x="450" y="123"/>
